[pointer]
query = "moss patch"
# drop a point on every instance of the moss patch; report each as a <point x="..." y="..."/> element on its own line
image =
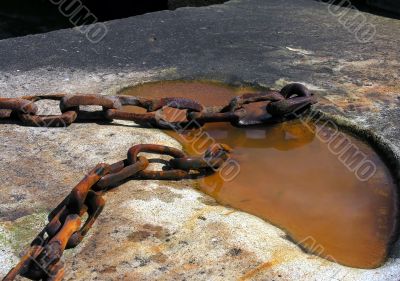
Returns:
<point x="22" y="231"/>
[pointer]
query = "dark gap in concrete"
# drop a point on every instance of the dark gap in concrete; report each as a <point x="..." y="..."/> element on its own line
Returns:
<point x="23" y="17"/>
<point x="174" y="4"/>
<point x="384" y="8"/>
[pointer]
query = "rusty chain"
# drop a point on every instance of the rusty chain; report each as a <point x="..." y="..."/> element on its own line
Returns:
<point x="64" y="229"/>
<point x="279" y="107"/>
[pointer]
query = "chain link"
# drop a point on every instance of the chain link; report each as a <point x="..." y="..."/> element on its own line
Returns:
<point x="280" y="107"/>
<point x="64" y="230"/>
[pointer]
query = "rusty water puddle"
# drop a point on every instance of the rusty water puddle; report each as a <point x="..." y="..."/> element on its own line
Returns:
<point x="290" y="177"/>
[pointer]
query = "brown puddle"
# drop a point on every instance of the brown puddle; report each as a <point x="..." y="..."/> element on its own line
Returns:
<point x="292" y="178"/>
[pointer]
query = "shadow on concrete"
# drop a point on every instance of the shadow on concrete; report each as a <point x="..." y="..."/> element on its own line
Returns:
<point x="384" y="10"/>
<point x="23" y="17"/>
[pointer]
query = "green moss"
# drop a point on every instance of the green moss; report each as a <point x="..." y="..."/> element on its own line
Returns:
<point x="22" y="231"/>
<point x="4" y="240"/>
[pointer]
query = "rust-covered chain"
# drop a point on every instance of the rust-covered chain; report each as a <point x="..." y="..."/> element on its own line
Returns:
<point x="280" y="106"/>
<point x="64" y="230"/>
<point x="43" y="261"/>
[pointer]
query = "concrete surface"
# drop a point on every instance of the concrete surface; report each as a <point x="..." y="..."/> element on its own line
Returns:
<point x="168" y="230"/>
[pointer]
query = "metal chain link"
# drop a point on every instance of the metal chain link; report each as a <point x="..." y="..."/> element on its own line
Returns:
<point x="64" y="230"/>
<point x="280" y="107"/>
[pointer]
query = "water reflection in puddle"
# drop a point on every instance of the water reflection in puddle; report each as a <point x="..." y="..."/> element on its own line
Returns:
<point x="290" y="176"/>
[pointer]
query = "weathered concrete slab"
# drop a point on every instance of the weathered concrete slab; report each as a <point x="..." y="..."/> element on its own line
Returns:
<point x="166" y="230"/>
